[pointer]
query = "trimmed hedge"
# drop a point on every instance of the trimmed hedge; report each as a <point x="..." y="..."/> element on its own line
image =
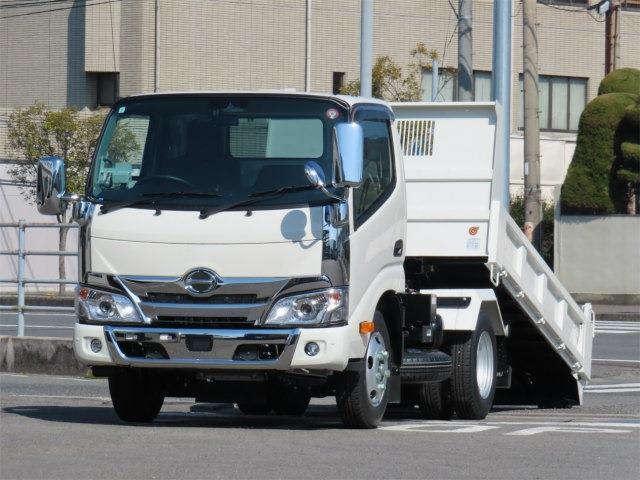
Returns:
<point x="626" y="168"/>
<point x="623" y="80"/>
<point x="516" y="210"/>
<point x="587" y="189"/>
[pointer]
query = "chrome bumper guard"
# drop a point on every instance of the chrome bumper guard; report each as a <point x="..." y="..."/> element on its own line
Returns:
<point x="224" y="345"/>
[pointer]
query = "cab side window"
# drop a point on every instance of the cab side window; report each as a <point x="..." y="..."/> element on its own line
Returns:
<point x="377" y="175"/>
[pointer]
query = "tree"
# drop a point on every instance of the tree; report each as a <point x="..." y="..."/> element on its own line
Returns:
<point x="388" y="81"/>
<point x="34" y="132"/>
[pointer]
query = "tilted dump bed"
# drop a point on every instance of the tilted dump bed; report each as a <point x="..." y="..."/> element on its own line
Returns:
<point x="455" y="210"/>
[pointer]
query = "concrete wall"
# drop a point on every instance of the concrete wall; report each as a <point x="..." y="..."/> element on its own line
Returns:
<point x="599" y="256"/>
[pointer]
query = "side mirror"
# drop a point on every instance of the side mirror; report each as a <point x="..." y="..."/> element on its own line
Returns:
<point x="316" y="178"/>
<point x="51" y="198"/>
<point x="349" y="142"/>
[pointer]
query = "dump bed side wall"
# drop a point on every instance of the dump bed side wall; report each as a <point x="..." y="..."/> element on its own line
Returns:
<point x="448" y="154"/>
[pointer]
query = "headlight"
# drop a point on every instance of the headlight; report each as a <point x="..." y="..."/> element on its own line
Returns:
<point x="315" y="308"/>
<point x="99" y="306"/>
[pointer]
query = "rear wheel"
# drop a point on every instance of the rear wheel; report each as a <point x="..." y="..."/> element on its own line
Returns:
<point x="137" y="396"/>
<point x="362" y="394"/>
<point x="473" y="384"/>
<point x="434" y="400"/>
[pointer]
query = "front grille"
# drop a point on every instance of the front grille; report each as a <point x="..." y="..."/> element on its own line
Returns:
<point x="202" y="322"/>
<point x="214" y="300"/>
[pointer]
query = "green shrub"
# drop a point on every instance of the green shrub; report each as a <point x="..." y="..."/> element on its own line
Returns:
<point x="587" y="189"/>
<point x="516" y="210"/>
<point x="626" y="168"/>
<point x="623" y="80"/>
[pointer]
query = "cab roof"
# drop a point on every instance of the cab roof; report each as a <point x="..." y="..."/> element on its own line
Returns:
<point x="351" y="101"/>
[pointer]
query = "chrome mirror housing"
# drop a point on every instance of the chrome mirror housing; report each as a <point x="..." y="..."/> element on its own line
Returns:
<point x="349" y="140"/>
<point x="51" y="186"/>
<point x="316" y="178"/>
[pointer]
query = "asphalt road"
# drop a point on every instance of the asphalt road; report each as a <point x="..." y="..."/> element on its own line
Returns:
<point x="60" y="427"/>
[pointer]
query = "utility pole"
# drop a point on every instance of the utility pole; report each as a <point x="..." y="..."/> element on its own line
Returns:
<point x="366" y="47"/>
<point x="501" y="91"/>
<point x="532" y="200"/>
<point x="465" y="51"/>
<point x="611" y="35"/>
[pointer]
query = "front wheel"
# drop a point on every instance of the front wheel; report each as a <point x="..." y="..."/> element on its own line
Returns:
<point x="473" y="384"/>
<point x="137" y="396"/>
<point x="362" y="394"/>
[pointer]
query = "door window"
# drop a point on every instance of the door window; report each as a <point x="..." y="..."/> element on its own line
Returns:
<point x="377" y="174"/>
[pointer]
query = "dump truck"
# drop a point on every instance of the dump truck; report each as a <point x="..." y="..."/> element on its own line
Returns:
<point x="266" y="248"/>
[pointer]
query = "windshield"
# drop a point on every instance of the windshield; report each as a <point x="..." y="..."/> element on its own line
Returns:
<point x="205" y="151"/>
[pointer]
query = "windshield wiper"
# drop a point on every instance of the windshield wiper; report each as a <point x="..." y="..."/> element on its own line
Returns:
<point x="153" y="198"/>
<point x="254" y="197"/>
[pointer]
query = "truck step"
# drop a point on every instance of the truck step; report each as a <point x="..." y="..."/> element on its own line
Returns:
<point x="420" y="366"/>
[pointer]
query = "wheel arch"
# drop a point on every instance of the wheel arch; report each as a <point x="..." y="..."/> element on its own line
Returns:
<point x="391" y="309"/>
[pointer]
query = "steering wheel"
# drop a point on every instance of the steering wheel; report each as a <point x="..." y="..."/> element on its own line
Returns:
<point x="171" y="178"/>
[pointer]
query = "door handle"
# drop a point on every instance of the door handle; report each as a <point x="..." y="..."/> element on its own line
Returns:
<point x="398" y="248"/>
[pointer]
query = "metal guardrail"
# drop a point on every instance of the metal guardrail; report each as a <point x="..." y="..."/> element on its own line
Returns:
<point x="21" y="280"/>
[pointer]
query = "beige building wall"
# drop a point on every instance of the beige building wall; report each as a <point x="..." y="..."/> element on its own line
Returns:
<point x="102" y="38"/>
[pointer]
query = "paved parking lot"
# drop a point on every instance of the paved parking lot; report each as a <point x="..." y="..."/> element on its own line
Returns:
<point x="59" y="427"/>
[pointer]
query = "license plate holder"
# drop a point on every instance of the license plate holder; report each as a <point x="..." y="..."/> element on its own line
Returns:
<point x="199" y="343"/>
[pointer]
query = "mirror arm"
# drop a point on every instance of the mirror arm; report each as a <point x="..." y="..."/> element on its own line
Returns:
<point x="324" y="190"/>
<point x="69" y="197"/>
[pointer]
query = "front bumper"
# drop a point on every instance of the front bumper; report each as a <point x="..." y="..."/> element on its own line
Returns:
<point x="335" y="347"/>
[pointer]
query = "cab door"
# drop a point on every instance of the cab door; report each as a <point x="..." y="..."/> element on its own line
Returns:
<point x="378" y="216"/>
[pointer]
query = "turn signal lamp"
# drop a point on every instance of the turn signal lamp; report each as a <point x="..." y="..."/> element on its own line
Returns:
<point x="367" y="327"/>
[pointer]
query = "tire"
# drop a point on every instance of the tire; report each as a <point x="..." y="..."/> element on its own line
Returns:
<point x="473" y="398"/>
<point x="434" y="400"/>
<point x="137" y="396"/>
<point x="262" y="408"/>
<point x="289" y="401"/>
<point x="358" y="404"/>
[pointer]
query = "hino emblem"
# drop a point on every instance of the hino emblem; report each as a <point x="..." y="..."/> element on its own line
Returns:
<point x="200" y="282"/>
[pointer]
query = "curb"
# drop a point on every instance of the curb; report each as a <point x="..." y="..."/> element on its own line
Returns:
<point x="51" y="356"/>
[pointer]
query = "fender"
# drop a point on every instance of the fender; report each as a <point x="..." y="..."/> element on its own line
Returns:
<point x="460" y="309"/>
<point x="390" y="278"/>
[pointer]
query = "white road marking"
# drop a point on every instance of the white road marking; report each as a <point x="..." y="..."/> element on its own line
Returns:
<point x="615" y="390"/>
<point x="449" y="428"/>
<point x="611" y="385"/>
<point x="533" y="428"/>
<point x="536" y="430"/>
<point x="614" y="360"/>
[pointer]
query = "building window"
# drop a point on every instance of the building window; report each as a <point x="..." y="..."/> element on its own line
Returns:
<point x="482" y="86"/>
<point x="447" y="80"/>
<point x="108" y="88"/>
<point x="561" y="101"/>
<point x="448" y="85"/>
<point x="338" y="82"/>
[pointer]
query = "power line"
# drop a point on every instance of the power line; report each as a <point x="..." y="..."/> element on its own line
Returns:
<point x="85" y="5"/>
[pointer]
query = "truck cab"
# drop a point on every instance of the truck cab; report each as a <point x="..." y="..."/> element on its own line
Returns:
<point x="252" y="248"/>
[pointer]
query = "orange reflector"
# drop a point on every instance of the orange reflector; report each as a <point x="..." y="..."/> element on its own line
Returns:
<point x="367" y="327"/>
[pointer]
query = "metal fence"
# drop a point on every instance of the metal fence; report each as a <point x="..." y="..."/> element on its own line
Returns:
<point x="21" y="280"/>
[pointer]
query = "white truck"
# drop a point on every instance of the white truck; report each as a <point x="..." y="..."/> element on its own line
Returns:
<point x="267" y="248"/>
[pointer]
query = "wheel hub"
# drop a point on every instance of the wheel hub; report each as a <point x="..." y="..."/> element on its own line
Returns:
<point x="485" y="367"/>
<point x="377" y="369"/>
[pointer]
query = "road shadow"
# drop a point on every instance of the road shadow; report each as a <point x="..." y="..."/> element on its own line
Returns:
<point x="317" y="417"/>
